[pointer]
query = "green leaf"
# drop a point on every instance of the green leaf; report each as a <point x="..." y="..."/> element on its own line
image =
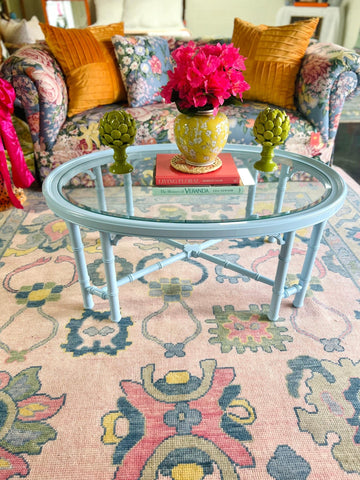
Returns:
<point x="24" y="384"/>
<point x="28" y="437"/>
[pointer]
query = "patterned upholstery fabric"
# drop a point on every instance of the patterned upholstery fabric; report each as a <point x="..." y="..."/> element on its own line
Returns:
<point x="328" y="74"/>
<point x="143" y="62"/>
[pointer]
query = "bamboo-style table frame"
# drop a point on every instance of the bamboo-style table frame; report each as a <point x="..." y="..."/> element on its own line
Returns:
<point x="111" y="227"/>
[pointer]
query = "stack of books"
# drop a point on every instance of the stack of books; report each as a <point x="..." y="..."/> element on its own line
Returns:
<point x="310" y="4"/>
<point x="230" y="178"/>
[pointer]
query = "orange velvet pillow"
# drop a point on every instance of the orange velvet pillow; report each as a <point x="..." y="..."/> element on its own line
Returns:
<point x="273" y="58"/>
<point x="87" y="58"/>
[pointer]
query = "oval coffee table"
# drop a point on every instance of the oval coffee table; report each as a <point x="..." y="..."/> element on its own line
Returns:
<point x="302" y="192"/>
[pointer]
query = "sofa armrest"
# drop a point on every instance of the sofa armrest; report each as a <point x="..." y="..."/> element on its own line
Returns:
<point x="40" y="91"/>
<point x="328" y="75"/>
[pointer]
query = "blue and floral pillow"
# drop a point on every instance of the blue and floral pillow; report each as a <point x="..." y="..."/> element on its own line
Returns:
<point x="143" y="62"/>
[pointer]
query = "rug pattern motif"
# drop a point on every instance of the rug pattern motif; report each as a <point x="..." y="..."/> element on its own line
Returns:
<point x="181" y="388"/>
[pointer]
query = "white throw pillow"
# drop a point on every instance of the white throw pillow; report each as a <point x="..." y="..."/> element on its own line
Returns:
<point x="109" y="11"/>
<point x="4" y="51"/>
<point x="154" y="14"/>
<point x="22" y="31"/>
<point x="34" y="30"/>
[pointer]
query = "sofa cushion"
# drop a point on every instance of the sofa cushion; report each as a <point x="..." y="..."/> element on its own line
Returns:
<point x="108" y="11"/>
<point x="274" y="57"/>
<point x="104" y="34"/>
<point x="161" y="14"/>
<point x="87" y="59"/>
<point x="143" y="62"/>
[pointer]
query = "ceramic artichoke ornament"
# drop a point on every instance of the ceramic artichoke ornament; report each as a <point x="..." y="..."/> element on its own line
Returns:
<point x="117" y="130"/>
<point x="271" y="129"/>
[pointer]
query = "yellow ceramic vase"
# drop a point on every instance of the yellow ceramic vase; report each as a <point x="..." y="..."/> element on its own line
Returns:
<point x="201" y="137"/>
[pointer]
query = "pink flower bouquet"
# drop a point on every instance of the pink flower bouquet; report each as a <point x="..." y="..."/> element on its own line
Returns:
<point x="205" y="77"/>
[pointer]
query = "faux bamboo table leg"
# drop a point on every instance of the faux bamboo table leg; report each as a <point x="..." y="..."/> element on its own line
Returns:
<point x="280" y="277"/>
<point x="78" y="248"/>
<point x="112" y="291"/>
<point x="310" y="257"/>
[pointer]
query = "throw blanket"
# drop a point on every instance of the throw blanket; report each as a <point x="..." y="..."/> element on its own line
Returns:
<point x="22" y="177"/>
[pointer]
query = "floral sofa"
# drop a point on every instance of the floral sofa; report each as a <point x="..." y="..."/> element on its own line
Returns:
<point x="328" y="75"/>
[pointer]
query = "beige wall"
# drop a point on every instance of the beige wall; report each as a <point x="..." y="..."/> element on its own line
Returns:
<point x="351" y="10"/>
<point x="216" y="17"/>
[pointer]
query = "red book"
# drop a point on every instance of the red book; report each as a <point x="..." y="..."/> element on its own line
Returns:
<point x="310" y="4"/>
<point x="165" y="174"/>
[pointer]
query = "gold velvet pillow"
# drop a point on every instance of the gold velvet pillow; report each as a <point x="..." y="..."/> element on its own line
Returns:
<point x="273" y="58"/>
<point x="87" y="58"/>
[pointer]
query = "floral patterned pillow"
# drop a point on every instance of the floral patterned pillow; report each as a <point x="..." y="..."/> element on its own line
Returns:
<point x="143" y="62"/>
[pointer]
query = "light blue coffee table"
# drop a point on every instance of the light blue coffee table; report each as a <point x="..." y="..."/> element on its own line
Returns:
<point x="303" y="192"/>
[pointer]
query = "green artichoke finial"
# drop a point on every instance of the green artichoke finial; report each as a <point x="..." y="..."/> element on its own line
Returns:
<point x="117" y="130"/>
<point x="271" y="129"/>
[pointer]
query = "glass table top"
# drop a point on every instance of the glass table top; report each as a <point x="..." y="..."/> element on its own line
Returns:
<point x="299" y="186"/>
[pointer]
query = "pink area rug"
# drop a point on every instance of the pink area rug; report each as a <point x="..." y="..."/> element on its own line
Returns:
<point x="194" y="382"/>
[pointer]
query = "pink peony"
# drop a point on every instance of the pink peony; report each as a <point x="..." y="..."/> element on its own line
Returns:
<point x="315" y="69"/>
<point x="155" y="64"/>
<point x="205" y="76"/>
